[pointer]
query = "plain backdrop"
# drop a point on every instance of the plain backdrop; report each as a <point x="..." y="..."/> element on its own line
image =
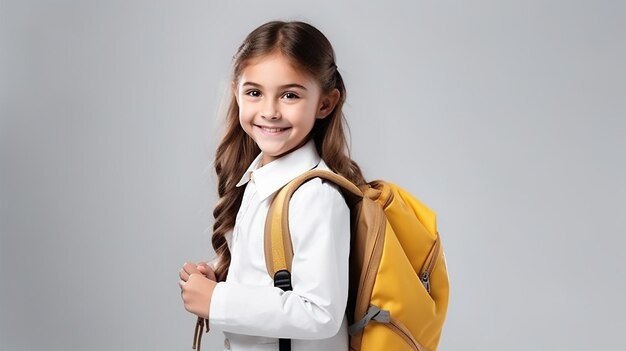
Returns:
<point x="508" y="118"/>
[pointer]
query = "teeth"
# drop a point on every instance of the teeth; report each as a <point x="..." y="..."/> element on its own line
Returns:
<point x="272" y="130"/>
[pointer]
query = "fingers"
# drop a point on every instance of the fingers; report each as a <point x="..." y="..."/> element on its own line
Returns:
<point x="187" y="270"/>
<point x="207" y="271"/>
<point x="182" y="284"/>
<point x="190" y="268"/>
<point x="196" y="294"/>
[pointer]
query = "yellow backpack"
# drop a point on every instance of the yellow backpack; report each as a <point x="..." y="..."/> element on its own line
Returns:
<point x="398" y="278"/>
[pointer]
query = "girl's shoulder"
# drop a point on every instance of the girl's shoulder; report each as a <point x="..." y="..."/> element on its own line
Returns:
<point x="318" y="192"/>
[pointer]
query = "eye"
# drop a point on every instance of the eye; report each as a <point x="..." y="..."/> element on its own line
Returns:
<point x="253" y="93"/>
<point x="290" y="96"/>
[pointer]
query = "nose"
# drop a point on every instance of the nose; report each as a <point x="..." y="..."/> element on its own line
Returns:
<point x="270" y="111"/>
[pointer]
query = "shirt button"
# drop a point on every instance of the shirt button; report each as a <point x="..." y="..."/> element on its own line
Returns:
<point x="227" y="344"/>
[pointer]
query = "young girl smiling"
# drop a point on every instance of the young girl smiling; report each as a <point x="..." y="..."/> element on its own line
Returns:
<point x="284" y="119"/>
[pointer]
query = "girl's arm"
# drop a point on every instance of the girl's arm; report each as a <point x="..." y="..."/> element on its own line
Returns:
<point x="319" y="220"/>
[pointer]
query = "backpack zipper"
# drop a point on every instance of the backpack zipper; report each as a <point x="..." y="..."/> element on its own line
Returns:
<point x="430" y="264"/>
<point x="401" y="330"/>
<point x="385" y="198"/>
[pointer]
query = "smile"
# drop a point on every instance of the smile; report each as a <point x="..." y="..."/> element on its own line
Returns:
<point x="271" y="130"/>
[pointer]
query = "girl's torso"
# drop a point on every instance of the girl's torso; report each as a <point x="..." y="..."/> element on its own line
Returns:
<point x="320" y="266"/>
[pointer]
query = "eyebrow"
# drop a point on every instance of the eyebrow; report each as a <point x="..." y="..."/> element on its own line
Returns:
<point x="286" y="86"/>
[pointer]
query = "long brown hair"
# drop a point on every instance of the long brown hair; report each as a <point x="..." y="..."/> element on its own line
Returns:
<point x="308" y="49"/>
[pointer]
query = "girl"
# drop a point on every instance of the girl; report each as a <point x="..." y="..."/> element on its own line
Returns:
<point x="285" y="118"/>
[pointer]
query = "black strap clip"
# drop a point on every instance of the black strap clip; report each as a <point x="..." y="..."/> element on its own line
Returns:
<point x="282" y="279"/>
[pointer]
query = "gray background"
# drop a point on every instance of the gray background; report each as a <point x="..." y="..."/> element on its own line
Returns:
<point x="507" y="118"/>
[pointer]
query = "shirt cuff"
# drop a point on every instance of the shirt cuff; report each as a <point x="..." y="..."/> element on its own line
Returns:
<point x="217" y="311"/>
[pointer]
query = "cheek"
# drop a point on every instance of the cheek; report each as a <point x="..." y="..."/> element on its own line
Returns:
<point x="244" y="118"/>
<point x="309" y="112"/>
<point x="245" y="112"/>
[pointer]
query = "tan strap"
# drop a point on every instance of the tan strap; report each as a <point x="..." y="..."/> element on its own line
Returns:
<point x="197" y="335"/>
<point x="277" y="244"/>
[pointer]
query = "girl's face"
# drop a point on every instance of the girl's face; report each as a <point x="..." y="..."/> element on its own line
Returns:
<point x="278" y="104"/>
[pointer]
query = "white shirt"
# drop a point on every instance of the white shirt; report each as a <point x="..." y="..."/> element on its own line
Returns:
<point x="250" y="311"/>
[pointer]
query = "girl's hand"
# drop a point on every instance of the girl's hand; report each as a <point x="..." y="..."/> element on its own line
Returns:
<point x="196" y="290"/>
<point x="207" y="270"/>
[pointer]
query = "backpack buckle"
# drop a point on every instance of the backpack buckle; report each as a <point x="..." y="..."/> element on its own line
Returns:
<point x="282" y="279"/>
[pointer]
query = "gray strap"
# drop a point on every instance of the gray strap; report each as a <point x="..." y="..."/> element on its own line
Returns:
<point x="373" y="312"/>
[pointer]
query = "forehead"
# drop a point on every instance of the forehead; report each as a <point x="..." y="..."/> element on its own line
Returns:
<point x="274" y="69"/>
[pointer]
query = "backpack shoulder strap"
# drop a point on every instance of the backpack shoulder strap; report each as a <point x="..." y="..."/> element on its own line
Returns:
<point x="277" y="245"/>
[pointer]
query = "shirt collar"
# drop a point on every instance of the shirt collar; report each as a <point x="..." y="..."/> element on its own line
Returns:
<point x="274" y="175"/>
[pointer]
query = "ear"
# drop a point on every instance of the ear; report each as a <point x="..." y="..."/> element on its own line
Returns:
<point x="328" y="103"/>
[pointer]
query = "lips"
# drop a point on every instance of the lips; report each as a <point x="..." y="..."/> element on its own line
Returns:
<point x="271" y="130"/>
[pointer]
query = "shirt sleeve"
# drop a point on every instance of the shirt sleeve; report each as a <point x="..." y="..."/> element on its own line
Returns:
<point x="319" y="220"/>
